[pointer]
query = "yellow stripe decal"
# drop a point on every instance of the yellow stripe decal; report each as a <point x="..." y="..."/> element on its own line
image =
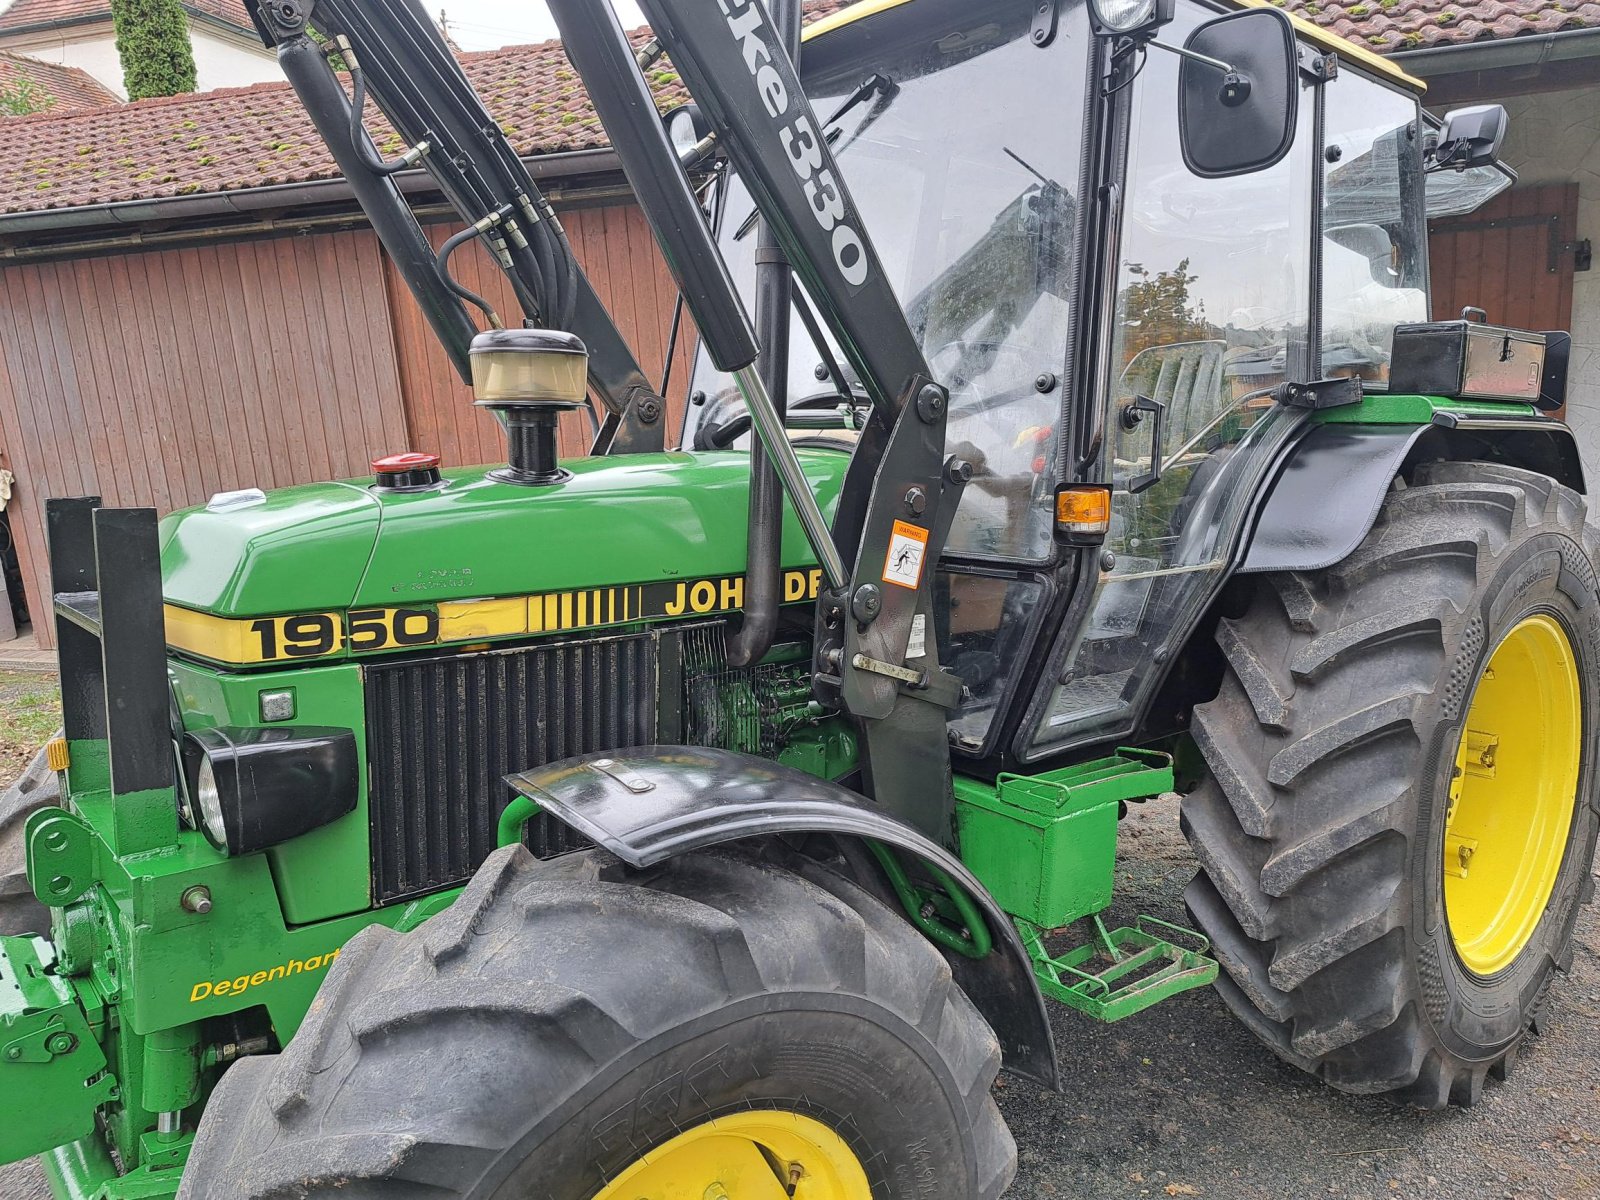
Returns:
<point x="322" y="636"/>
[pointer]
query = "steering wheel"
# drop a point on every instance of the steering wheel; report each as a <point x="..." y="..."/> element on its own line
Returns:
<point x="719" y="436"/>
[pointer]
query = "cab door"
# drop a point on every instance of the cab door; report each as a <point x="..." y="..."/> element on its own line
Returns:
<point x="1211" y="309"/>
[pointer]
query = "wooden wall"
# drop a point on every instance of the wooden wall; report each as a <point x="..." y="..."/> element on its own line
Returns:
<point x="160" y="377"/>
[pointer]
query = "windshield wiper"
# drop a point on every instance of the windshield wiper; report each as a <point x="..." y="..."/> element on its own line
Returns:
<point x="877" y="84"/>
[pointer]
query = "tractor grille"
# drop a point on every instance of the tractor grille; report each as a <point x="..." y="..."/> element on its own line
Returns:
<point x="443" y="732"/>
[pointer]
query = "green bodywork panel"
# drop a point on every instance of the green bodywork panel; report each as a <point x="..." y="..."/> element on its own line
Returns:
<point x="1380" y="408"/>
<point x="324" y="873"/>
<point x="51" y="1066"/>
<point x="621" y="520"/>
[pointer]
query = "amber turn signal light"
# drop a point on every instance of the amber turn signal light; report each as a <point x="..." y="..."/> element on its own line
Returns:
<point x="1083" y="514"/>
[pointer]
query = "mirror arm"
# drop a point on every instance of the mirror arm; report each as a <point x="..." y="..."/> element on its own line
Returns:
<point x="1181" y="52"/>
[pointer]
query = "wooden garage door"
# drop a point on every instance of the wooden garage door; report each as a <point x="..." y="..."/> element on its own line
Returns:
<point x="1513" y="258"/>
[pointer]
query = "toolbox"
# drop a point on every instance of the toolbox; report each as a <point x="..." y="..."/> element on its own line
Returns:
<point x="1467" y="360"/>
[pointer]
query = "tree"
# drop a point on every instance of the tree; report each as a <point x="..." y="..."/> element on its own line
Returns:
<point x="153" y="43"/>
<point x="1157" y="310"/>
<point x="24" y="97"/>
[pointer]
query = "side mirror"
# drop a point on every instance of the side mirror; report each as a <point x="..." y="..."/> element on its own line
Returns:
<point x="1470" y="137"/>
<point x="688" y="131"/>
<point x="1238" y="93"/>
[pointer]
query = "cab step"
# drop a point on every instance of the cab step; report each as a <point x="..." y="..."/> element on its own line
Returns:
<point x="1121" y="971"/>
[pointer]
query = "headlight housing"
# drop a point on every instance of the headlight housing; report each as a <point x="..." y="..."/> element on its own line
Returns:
<point x="254" y="788"/>
<point x="1130" y="17"/>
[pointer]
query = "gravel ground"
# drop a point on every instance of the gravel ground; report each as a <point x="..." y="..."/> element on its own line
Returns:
<point x="1181" y="1101"/>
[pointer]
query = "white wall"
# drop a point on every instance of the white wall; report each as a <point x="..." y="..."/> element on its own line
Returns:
<point x="1555" y="138"/>
<point x="221" y="59"/>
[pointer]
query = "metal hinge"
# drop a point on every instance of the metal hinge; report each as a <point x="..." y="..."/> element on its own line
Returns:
<point x="1582" y="254"/>
<point x="1046" y="17"/>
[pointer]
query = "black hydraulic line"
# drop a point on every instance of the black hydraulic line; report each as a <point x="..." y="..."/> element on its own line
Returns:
<point x="329" y="108"/>
<point x="672" y="341"/>
<point x="763" y="576"/>
<point x="414" y="80"/>
<point x="819" y="340"/>
<point x="445" y="251"/>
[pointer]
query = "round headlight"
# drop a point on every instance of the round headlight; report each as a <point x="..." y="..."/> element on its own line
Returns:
<point x="209" y="801"/>
<point x="1126" y="16"/>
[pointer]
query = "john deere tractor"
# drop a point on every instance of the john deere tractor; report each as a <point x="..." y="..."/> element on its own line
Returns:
<point x="716" y="822"/>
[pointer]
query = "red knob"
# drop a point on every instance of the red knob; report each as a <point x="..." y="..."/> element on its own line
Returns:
<point x="412" y="460"/>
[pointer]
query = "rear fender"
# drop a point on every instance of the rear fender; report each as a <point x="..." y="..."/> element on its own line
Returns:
<point x="653" y="803"/>
<point x="1326" y="496"/>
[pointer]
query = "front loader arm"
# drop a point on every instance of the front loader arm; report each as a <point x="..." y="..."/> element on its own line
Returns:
<point x="397" y="57"/>
<point x="899" y="494"/>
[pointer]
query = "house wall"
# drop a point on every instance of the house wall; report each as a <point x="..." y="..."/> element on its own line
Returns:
<point x="160" y="377"/>
<point x="1554" y="137"/>
<point x="226" y="60"/>
<point x="221" y="59"/>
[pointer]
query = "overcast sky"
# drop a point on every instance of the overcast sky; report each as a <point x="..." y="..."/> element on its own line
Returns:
<point x="485" y="24"/>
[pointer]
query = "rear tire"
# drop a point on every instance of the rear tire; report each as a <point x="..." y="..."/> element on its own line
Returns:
<point x="562" y="1019"/>
<point x="1332" y="749"/>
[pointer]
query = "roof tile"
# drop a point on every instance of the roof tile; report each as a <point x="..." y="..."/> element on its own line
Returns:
<point x="1393" y="25"/>
<point x="66" y="89"/>
<point x="257" y="136"/>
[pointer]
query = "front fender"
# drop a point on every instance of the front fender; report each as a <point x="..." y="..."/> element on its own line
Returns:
<point x="653" y="803"/>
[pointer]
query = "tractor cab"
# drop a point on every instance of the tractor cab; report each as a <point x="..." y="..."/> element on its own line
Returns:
<point x="1110" y="308"/>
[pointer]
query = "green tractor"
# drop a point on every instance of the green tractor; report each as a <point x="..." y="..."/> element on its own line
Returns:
<point x="717" y="822"/>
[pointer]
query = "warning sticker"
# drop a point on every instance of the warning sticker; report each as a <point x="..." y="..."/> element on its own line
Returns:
<point x="908" y="546"/>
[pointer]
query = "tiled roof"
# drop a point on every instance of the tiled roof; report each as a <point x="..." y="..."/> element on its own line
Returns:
<point x="1393" y="25"/>
<point x="259" y="136"/>
<point x="65" y="88"/>
<point x="27" y="14"/>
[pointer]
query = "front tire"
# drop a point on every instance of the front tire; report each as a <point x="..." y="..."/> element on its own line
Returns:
<point x="571" y="1028"/>
<point x="1333" y="829"/>
<point x="20" y="910"/>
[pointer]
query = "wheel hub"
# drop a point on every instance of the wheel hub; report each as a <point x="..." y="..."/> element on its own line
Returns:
<point x="761" y="1155"/>
<point x="1512" y="795"/>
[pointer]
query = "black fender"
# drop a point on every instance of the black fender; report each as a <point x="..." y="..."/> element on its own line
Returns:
<point x="1326" y="496"/>
<point x="651" y="803"/>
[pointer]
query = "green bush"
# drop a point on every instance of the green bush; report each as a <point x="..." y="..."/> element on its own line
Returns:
<point x="24" y="97"/>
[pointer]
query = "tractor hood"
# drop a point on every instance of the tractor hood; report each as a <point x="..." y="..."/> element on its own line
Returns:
<point x="629" y="520"/>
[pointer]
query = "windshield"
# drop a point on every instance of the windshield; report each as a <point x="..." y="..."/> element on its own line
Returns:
<point x="964" y="160"/>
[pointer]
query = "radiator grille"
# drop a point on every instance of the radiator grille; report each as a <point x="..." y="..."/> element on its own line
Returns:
<point x="443" y="732"/>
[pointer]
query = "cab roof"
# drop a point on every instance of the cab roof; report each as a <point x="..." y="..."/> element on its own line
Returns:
<point x="1315" y="34"/>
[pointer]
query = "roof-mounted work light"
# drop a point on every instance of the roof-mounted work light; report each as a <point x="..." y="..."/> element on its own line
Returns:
<point x="1130" y="18"/>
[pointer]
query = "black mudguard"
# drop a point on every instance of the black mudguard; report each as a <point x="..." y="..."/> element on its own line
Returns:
<point x="1327" y="495"/>
<point x="652" y="803"/>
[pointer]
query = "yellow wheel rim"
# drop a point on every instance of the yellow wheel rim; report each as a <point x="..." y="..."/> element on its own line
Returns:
<point x="760" y="1155"/>
<point x="1513" y="795"/>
